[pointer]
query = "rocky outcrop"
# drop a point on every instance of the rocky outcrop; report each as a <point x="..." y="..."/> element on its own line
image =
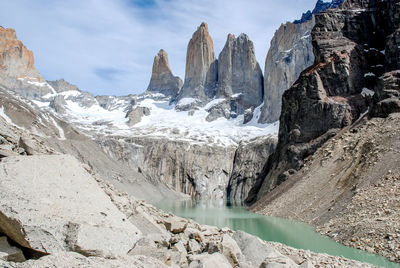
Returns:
<point x="44" y="204"/>
<point x="135" y="115"/>
<point x="289" y="54"/>
<point x="198" y="170"/>
<point x="61" y="85"/>
<point x="239" y="73"/>
<point x="329" y="95"/>
<point x="17" y="70"/>
<point x="201" y="68"/>
<point x="162" y="79"/>
<point x="247" y="166"/>
<point x="319" y="7"/>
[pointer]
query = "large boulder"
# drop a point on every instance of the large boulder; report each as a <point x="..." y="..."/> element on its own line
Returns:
<point x="50" y="204"/>
<point x="162" y="79"/>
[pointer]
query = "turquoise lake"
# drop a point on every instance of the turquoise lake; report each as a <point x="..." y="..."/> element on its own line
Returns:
<point x="291" y="233"/>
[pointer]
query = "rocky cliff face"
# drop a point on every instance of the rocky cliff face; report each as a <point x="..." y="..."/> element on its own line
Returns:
<point x="17" y="70"/>
<point x="162" y="79"/>
<point x="319" y="7"/>
<point x="333" y="92"/>
<point x="239" y="74"/>
<point x="289" y="54"/>
<point x="247" y="166"/>
<point x="201" y="67"/>
<point x="197" y="170"/>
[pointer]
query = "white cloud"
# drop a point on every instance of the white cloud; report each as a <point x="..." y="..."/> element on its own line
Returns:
<point x="108" y="46"/>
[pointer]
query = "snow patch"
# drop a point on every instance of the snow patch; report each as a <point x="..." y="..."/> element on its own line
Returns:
<point x="3" y="114"/>
<point x="186" y="101"/>
<point x="60" y="130"/>
<point x="367" y="92"/>
<point x="369" y="74"/>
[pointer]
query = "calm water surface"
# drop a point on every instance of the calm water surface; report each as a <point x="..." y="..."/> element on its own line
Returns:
<point x="291" y="233"/>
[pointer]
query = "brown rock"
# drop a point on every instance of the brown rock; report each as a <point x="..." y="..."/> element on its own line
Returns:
<point x="201" y="67"/>
<point x="162" y="79"/>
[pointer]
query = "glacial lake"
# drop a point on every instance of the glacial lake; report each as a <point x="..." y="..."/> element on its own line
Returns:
<point x="291" y="233"/>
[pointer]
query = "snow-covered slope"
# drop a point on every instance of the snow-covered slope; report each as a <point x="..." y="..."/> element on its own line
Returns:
<point x="109" y="117"/>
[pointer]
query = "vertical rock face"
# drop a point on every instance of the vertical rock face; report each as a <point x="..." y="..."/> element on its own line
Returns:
<point x="15" y="59"/>
<point x="331" y="94"/>
<point x="319" y="7"/>
<point x="239" y="73"/>
<point x="289" y="54"/>
<point x="17" y="70"/>
<point x="201" y="67"/>
<point x="162" y="79"/>
<point x="247" y="166"/>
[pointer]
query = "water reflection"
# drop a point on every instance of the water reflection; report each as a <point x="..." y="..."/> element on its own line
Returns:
<point x="291" y="233"/>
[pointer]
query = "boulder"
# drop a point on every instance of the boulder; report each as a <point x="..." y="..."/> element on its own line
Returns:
<point x="209" y="261"/>
<point x="136" y="114"/>
<point x="175" y="224"/>
<point x="72" y="259"/>
<point x="257" y="252"/>
<point x="231" y="250"/>
<point x="61" y="208"/>
<point x="10" y="253"/>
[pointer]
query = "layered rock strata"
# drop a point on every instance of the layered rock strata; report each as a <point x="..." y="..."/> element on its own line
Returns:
<point x="162" y="79"/>
<point x="201" y="68"/>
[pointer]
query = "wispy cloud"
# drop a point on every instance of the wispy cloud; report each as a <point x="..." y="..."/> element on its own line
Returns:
<point x="71" y="39"/>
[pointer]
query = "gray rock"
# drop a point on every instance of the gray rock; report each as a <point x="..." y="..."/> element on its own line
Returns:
<point x="58" y="104"/>
<point x="72" y="259"/>
<point x="231" y="250"/>
<point x="239" y="73"/>
<point x="136" y="114"/>
<point x="289" y="54"/>
<point x="257" y="252"/>
<point x="60" y="209"/>
<point x="193" y="247"/>
<point x="162" y="79"/>
<point x="10" y="253"/>
<point x="209" y="261"/>
<point x="248" y="165"/>
<point x="61" y="86"/>
<point x="201" y="68"/>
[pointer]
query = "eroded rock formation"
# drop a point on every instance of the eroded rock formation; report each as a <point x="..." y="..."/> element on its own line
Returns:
<point x="162" y="79"/>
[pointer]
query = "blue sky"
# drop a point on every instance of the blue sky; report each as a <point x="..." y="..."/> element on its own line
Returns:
<point x="108" y="46"/>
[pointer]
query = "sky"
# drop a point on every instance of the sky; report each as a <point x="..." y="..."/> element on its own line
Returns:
<point x="107" y="47"/>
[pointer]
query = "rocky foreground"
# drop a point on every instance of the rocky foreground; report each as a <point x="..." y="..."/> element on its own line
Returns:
<point x="56" y="211"/>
